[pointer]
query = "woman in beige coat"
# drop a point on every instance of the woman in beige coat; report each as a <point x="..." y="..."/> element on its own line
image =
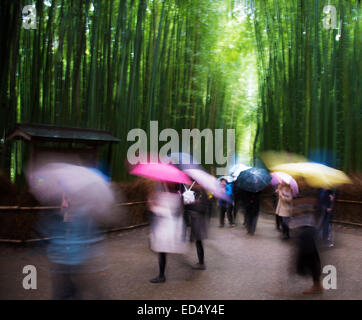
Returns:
<point x="285" y="207"/>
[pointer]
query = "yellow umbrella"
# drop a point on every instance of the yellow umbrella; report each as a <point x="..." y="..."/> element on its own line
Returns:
<point x="316" y="175"/>
<point x="274" y="158"/>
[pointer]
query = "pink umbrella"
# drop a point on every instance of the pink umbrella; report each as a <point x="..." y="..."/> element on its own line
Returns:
<point x="161" y="172"/>
<point x="208" y="182"/>
<point x="279" y="177"/>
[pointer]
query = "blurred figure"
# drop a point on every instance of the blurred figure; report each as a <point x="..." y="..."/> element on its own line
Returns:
<point x="76" y="250"/>
<point x="326" y="205"/>
<point x="278" y="222"/>
<point x="76" y="253"/>
<point x="305" y="223"/>
<point x="167" y="225"/>
<point x="226" y="206"/>
<point x="238" y="204"/>
<point x="251" y="203"/>
<point x="198" y="214"/>
<point x="287" y="188"/>
<point x="229" y="190"/>
<point x="284" y="208"/>
<point x="250" y="183"/>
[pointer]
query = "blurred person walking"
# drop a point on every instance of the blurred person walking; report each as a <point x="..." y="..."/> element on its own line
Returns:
<point x="304" y="222"/>
<point x="167" y="225"/>
<point x="284" y="207"/>
<point x="278" y="219"/>
<point x="326" y="205"/>
<point x="250" y="183"/>
<point x="226" y="206"/>
<point x="287" y="188"/>
<point x="238" y="205"/>
<point x="76" y="249"/>
<point x="197" y="213"/>
<point x="251" y="203"/>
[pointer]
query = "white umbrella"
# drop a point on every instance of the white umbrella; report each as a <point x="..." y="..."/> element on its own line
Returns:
<point x="208" y="182"/>
<point x="236" y="169"/>
<point x="84" y="187"/>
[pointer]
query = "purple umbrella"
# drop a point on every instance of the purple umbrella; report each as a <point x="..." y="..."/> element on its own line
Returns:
<point x="279" y="177"/>
<point x="208" y="182"/>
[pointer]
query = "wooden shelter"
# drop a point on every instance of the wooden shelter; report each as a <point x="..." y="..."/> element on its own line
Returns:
<point x="54" y="143"/>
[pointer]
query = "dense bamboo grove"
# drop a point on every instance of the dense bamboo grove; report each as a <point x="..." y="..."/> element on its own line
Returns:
<point x="115" y="65"/>
<point x="310" y="80"/>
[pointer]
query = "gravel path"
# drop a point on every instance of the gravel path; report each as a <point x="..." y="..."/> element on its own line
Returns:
<point x="238" y="267"/>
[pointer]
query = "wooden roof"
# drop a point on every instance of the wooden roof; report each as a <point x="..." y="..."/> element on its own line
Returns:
<point x="61" y="134"/>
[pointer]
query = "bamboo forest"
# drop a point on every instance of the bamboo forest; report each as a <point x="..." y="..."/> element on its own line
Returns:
<point x="215" y="145"/>
<point x="268" y="69"/>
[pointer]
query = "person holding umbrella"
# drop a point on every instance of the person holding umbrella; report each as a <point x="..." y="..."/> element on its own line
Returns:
<point x="284" y="208"/>
<point x="283" y="205"/>
<point x="167" y="224"/>
<point x="197" y="213"/>
<point x="234" y="171"/>
<point x="76" y="250"/>
<point x="250" y="183"/>
<point x="196" y="203"/>
<point x="308" y="262"/>
<point x="305" y="213"/>
<point x="251" y="203"/>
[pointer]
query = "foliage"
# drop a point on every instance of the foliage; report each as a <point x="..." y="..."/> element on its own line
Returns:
<point x="309" y="80"/>
<point x="115" y="65"/>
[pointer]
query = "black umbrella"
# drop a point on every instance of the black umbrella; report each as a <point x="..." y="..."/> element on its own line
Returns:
<point x="253" y="179"/>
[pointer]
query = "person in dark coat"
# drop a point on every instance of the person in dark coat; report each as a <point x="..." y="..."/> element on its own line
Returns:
<point x="304" y="222"/>
<point x="226" y="206"/>
<point x="251" y="203"/>
<point x="198" y="214"/>
<point x="326" y="206"/>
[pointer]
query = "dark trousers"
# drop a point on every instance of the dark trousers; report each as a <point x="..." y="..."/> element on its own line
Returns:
<point x="308" y="260"/>
<point x="228" y="210"/>
<point x="236" y="208"/>
<point x="162" y="263"/>
<point x="64" y="288"/>
<point x="251" y="218"/>
<point x="278" y="222"/>
<point x="326" y="225"/>
<point x="200" y="251"/>
<point x="285" y="226"/>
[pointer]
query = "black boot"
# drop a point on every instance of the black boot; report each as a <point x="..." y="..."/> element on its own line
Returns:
<point x="159" y="279"/>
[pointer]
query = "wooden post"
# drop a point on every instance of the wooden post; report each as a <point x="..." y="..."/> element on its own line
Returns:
<point x="109" y="156"/>
<point x="31" y="160"/>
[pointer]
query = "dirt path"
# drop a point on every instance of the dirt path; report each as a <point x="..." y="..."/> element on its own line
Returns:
<point x="238" y="267"/>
